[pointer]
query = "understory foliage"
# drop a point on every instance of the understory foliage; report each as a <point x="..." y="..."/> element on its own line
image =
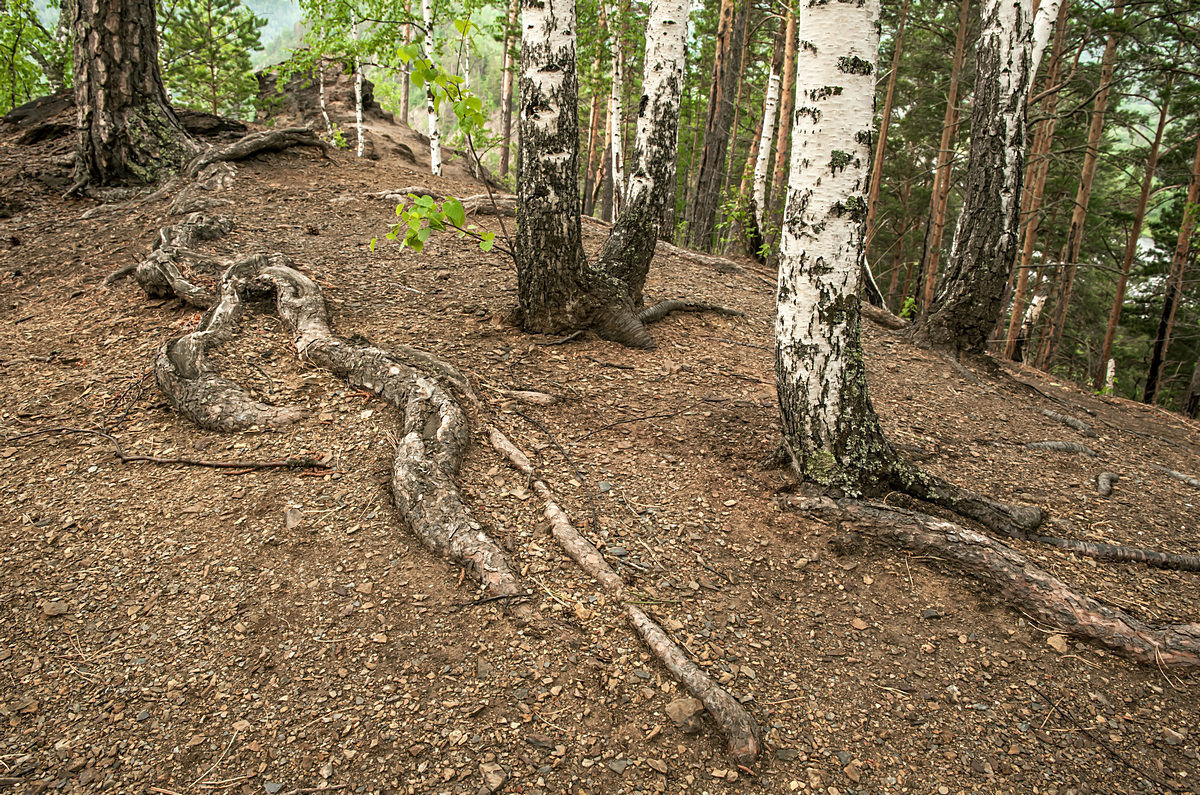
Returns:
<point x="35" y="53"/>
<point x="206" y="53"/>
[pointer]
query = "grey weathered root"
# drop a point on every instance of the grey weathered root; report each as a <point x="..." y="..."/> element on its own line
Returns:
<point x="1115" y="553"/>
<point x="741" y="732"/>
<point x="655" y="313"/>
<point x="1062" y="447"/>
<point x="1070" y="422"/>
<point x="1105" y="482"/>
<point x="1181" y="477"/>
<point x="1031" y="588"/>
<point x="434" y="435"/>
<point x="256" y="143"/>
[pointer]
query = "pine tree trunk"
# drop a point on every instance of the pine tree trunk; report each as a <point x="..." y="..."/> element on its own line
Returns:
<point x="435" y="127"/>
<point x="884" y="124"/>
<point x="597" y="156"/>
<point x="127" y="132"/>
<point x="703" y="216"/>
<point x="1034" y="194"/>
<point x="829" y="426"/>
<point x="549" y="250"/>
<point x="506" y="90"/>
<point x="593" y="133"/>
<point x="787" y="96"/>
<point x="985" y="240"/>
<point x="1174" y="283"/>
<point x="1191" y="404"/>
<point x="1131" y="244"/>
<point x="625" y="260"/>
<point x="1083" y="197"/>
<point x="940" y="197"/>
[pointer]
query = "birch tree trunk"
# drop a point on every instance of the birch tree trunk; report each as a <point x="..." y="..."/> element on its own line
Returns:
<point x="787" y="98"/>
<point x="830" y="428"/>
<point x="1083" y="196"/>
<point x="405" y="69"/>
<point x="1158" y="355"/>
<point x="625" y="259"/>
<point x="615" y="118"/>
<point x="321" y="97"/>
<point x="985" y="240"/>
<point x="549" y="252"/>
<point x="506" y="90"/>
<point x="1034" y="194"/>
<point x="127" y="132"/>
<point x="1131" y="243"/>
<point x="763" y="159"/>
<point x="435" y="128"/>
<point x="940" y="197"/>
<point x="358" y="93"/>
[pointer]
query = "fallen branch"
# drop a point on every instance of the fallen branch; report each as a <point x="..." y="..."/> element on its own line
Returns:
<point x="740" y="730"/>
<point x="881" y="316"/>
<point x="126" y="458"/>
<point x="1027" y="586"/>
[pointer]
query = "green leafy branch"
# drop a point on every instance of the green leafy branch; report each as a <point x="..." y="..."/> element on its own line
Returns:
<point x="421" y="216"/>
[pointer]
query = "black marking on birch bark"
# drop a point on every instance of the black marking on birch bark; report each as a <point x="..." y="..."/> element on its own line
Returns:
<point x="434" y="433"/>
<point x="1027" y="586"/>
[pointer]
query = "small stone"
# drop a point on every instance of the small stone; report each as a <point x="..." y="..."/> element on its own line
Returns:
<point x="686" y="712"/>
<point x="143" y="715"/>
<point x="54" y="608"/>
<point x="618" y="765"/>
<point x="1058" y="643"/>
<point x="494" y="776"/>
<point x="618" y="552"/>
<point x="539" y="741"/>
<point x="859" y="624"/>
<point x="1171" y="736"/>
<point x="292" y="517"/>
<point x="483" y="669"/>
<point x="605" y="486"/>
<point x="272" y="787"/>
<point x="930" y="613"/>
<point x="657" y="764"/>
<point x="787" y="754"/>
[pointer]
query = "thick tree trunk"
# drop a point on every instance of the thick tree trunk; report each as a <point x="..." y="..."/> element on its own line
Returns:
<point x="703" y="207"/>
<point x="625" y="259"/>
<point x="1131" y="244"/>
<point x="830" y="429"/>
<point x="127" y="132"/>
<point x="1034" y="194"/>
<point x="884" y="124"/>
<point x="506" y="89"/>
<point x="940" y="197"/>
<point x="1174" y="283"/>
<point x="435" y="127"/>
<point x="985" y="240"/>
<point x="549" y="253"/>
<point x="1083" y="195"/>
<point x="783" y="135"/>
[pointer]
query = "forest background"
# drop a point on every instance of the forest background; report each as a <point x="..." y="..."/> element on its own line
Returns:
<point x="1107" y="269"/>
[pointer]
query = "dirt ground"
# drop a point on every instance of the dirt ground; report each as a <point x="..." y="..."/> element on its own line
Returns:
<point x="174" y="629"/>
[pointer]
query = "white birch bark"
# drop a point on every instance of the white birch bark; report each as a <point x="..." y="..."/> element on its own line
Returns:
<point x="1043" y="26"/>
<point x="770" y="108"/>
<point x="829" y="425"/>
<point x="615" y="119"/>
<point x="358" y="85"/>
<point x="321" y="95"/>
<point x="435" y="129"/>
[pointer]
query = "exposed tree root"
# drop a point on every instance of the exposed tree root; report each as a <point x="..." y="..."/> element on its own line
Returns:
<point x="1182" y="478"/>
<point x="1062" y="447"/>
<point x="159" y="276"/>
<point x="881" y="316"/>
<point x="1028" y="586"/>
<point x="257" y="143"/>
<point x="434" y="437"/>
<point x="1105" y="482"/>
<point x="741" y="732"/>
<point x="1120" y="554"/>
<point x="653" y="314"/>
<point x="1070" y="422"/>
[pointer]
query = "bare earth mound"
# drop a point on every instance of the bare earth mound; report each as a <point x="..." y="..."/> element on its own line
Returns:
<point x="173" y="628"/>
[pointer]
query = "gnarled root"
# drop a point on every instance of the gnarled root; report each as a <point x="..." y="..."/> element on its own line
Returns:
<point x="655" y="313"/>
<point x="435" y="435"/>
<point x="741" y="732"/>
<point x="1028" y="586"/>
<point x="257" y="143"/>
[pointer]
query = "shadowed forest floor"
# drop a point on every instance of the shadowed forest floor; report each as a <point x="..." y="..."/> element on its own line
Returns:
<point x="175" y="629"/>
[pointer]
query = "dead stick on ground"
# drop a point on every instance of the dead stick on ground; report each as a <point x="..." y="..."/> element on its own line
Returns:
<point x="740" y="730"/>
<point x="126" y="458"/>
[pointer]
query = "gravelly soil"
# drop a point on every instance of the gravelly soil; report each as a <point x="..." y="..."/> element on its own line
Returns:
<point x="175" y="629"/>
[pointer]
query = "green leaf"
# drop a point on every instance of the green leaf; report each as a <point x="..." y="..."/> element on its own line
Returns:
<point x="373" y="241"/>
<point x="489" y="240"/>
<point x="454" y="211"/>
